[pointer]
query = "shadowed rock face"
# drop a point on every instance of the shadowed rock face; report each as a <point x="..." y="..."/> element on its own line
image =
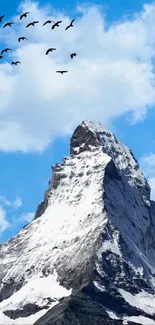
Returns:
<point x="105" y="255"/>
<point x="82" y="139"/>
<point x="29" y="309"/>
<point x="80" y="309"/>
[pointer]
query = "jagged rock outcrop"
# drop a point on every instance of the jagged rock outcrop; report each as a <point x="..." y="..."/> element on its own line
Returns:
<point x="88" y="257"/>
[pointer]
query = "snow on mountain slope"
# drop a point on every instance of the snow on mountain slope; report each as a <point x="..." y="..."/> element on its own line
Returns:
<point x="89" y="254"/>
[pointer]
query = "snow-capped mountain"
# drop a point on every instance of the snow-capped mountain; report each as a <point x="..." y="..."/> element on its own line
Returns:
<point x="88" y="257"/>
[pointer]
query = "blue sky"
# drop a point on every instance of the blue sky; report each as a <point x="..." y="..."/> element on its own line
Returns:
<point x="38" y="116"/>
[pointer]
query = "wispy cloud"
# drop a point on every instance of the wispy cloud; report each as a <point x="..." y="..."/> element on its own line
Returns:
<point x="148" y="165"/>
<point x="8" y="207"/>
<point x="17" y="203"/>
<point x="5" y="201"/>
<point x="28" y="217"/>
<point x="113" y="74"/>
<point x="4" y="223"/>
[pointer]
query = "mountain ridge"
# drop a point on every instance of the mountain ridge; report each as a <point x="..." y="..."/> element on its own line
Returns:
<point x="92" y="240"/>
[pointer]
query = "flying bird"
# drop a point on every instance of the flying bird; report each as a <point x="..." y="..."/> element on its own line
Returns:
<point x="32" y="24"/>
<point x="22" y="38"/>
<point x="24" y="15"/>
<point x="72" y="55"/>
<point x="50" y="50"/>
<point x="8" y="24"/>
<point x="61" y="71"/>
<point x="5" y="50"/>
<point x="71" y="24"/>
<point x="1" y="56"/>
<point x="1" y="17"/>
<point x="48" y="22"/>
<point x="15" y="62"/>
<point x="57" y="24"/>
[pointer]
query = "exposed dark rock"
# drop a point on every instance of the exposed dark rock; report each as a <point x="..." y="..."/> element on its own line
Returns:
<point x="80" y="309"/>
<point x="27" y="310"/>
<point x="10" y="287"/>
<point x="82" y="138"/>
<point x="41" y="208"/>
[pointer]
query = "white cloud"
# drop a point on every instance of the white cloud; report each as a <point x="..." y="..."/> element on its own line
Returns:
<point x="4" y="224"/>
<point x="17" y="203"/>
<point x="4" y="200"/>
<point x="147" y="164"/>
<point x="28" y="216"/>
<point x="24" y="217"/>
<point x="112" y="74"/>
<point x="152" y="185"/>
<point x="9" y="205"/>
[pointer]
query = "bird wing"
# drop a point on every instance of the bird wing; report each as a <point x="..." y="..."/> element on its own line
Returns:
<point x="47" y="51"/>
<point x="59" y="21"/>
<point x="72" y="21"/>
<point x="67" y="27"/>
<point x="35" y="22"/>
<point x="5" y="25"/>
<point x="24" y="14"/>
<point x="1" y="17"/>
<point x="28" y="25"/>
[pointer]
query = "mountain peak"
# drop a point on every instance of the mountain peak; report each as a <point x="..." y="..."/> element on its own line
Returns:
<point x="85" y="136"/>
<point x="94" y="126"/>
<point x="90" y="135"/>
<point x="88" y="257"/>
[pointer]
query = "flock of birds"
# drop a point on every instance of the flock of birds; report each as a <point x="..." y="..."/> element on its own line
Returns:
<point x="22" y="38"/>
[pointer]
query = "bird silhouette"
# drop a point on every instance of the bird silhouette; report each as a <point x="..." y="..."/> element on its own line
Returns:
<point x="50" y="50"/>
<point x="8" y="24"/>
<point x="32" y="24"/>
<point x="24" y="15"/>
<point x="15" y="62"/>
<point x="71" y="24"/>
<point x="22" y="38"/>
<point x="61" y="71"/>
<point x="48" y="22"/>
<point x="72" y="55"/>
<point x="1" y="17"/>
<point x="57" y="24"/>
<point x="1" y="56"/>
<point x="5" y="50"/>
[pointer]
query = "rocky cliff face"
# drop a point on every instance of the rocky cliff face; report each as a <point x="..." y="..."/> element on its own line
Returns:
<point x="88" y="257"/>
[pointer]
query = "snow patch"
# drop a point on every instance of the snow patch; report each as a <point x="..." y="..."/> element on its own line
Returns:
<point x="140" y="320"/>
<point x="142" y="300"/>
<point x="36" y="291"/>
